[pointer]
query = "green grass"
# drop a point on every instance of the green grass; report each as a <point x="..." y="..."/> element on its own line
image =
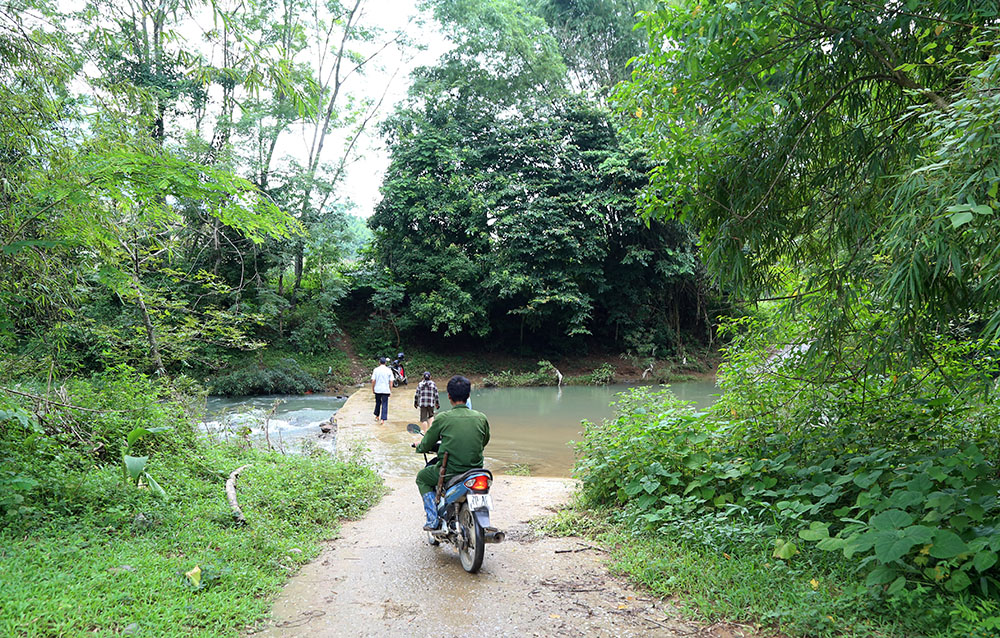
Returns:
<point x="517" y="469"/>
<point x="106" y="567"/>
<point x="809" y="595"/>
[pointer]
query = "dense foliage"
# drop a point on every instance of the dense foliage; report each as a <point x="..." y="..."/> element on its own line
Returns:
<point x="893" y="527"/>
<point x="154" y="210"/>
<point x="840" y="154"/>
<point x="839" y="162"/>
<point x="531" y="231"/>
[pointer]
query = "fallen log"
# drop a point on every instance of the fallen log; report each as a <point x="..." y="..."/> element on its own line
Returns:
<point x="231" y="495"/>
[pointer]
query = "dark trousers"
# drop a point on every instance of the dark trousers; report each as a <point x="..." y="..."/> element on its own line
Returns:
<point x="382" y="405"/>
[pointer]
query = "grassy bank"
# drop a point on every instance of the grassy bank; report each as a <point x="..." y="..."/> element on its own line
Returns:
<point x="87" y="549"/>
<point x="740" y="581"/>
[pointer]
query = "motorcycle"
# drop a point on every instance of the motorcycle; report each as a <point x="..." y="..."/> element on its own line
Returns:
<point x="463" y="505"/>
<point x="398" y="373"/>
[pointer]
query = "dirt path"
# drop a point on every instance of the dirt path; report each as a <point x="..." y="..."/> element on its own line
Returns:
<point x="381" y="578"/>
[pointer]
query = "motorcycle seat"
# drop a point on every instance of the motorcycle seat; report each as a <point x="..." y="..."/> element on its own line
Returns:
<point x="455" y="480"/>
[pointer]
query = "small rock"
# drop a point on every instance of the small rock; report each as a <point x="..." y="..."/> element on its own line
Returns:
<point x="121" y="568"/>
<point x="295" y="550"/>
<point x="131" y="629"/>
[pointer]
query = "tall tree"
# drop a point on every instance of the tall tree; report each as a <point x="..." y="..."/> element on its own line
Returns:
<point x="817" y="146"/>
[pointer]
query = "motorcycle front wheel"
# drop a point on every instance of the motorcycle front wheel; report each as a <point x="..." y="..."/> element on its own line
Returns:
<point x="471" y="544"/>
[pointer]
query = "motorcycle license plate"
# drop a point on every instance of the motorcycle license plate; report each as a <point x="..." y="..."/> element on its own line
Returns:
<point x="480" y="501"/>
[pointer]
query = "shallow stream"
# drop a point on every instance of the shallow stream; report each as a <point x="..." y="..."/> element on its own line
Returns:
<point x="531" y="427"/>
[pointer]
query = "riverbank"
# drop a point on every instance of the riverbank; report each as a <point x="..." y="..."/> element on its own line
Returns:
<point x="283" y="371"/>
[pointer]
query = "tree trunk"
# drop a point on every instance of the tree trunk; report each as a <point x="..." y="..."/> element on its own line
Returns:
<point x="154" y="347"/>
<point x="299" y="262"/>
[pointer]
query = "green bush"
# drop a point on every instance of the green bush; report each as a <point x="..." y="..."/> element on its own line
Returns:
<point x="891" y="486"/>
<point x="931" y="517"/>
<point x="283" y="377"/>
<point x="601" y="375"/>
<point x="315" y="323"/>
<point x="545" y="375"/>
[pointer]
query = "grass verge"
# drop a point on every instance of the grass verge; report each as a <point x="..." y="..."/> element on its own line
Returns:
<point x="120" y="561"/>
<point x="810" y="596"/>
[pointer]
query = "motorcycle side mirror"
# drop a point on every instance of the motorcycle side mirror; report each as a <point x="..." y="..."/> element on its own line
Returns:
<point x="413" y="428"/>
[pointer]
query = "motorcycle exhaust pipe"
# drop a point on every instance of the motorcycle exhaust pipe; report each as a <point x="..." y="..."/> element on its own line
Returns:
<point x="493" y="536"/>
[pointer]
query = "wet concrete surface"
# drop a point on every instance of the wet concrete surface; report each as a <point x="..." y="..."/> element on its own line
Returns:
<point x="382" y="578"/>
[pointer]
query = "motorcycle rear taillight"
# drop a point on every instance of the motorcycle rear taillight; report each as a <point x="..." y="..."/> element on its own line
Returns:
<point x="479" y="483"/>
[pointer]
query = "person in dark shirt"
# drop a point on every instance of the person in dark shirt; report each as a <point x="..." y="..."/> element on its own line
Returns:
<point x="463" y="434"/>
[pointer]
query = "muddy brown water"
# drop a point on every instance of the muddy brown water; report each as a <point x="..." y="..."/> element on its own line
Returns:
<point x="532" y="428"/>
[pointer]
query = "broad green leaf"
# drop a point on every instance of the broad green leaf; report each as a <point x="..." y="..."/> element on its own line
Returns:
<point x="696" y="460"/>
<point x="890" y="520"/>
<point x="633" y="488"/>
<point x="905" y="498"/>
<point x="140" y="432"/>
<point x="154" y="486"/>
<point x="135" y="434"/>
<point x="891" y="546"/>
<point x="919" y="533"/>
<point x="947" y="544"/>
<point x="817" y="531"/>
<point x="896" y="586"/>
<point x="983" y="209"/>
<point x="880" y="576"/>
<point x="984" y="560"/>
<point x="960" y="219"/>
<point x="784" y="549"/>
<point x="859" y="543"/>
<point x="831" y="544"/>
<point x="959" y="581"/>
<point x="868" y="479"/>
<point x="194" y="576"/>
<point x="135" y="465"/>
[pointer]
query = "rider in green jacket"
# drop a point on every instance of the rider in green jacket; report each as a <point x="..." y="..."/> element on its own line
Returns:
<point x="463" y="433"/>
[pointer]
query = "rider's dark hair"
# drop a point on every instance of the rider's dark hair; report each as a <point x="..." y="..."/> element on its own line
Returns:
<point x="459" y="388"/>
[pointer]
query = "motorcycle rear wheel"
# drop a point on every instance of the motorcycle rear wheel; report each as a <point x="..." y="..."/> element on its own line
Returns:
<point x="471" y="545"/>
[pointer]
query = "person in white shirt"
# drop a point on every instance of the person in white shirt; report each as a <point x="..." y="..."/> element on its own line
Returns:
<point x="382" y="388"/>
